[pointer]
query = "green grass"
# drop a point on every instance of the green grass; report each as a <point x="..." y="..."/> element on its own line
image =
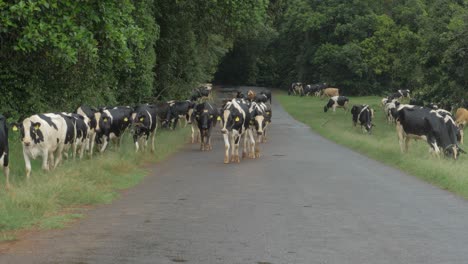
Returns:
<point x="382" y="144"/>
<point x="40" y="202"/>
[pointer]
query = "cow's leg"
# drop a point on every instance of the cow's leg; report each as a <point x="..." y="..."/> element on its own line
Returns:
<point x="245" y="151"/>
<point x="257" y="146"/>
<point x="104" y="145"/>
<point x="27" y="163"/>
<point x="6" y="171"/>
<point x="83" y="146"/>
<point x="59" y="155"/>
<point x="153" y="135"/>
<point x="45" y="156"/>
<point x="208" y="135"/>
<point x="92" y="140"/>
<point x="232" y="143"/>
<point x="237" y="140"/>
<point x="193" y="133"/>
<point x="136" y="142"/>
<point x="74" y="148"/>
<point x="252" y="150"/>
<point x="51" y="160"/>
<point x="461" y="135"/>
<point x="226" y="148"/>
<point x="264" y="138"/>
<point x="202" y="141"/>
<point x="401" y="136"/>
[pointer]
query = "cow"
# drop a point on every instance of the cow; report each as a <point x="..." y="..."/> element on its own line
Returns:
<point x="201" y="92"/>
<point x="390" y="110"/>
<point x="145" y="124"/>
<point x="111" y="123"/>
<point x="258" y="122"/>
<point x="177" y="110"/>
<point x="42" y="135"/>
<point x="4" y="151"/>
<point x="206" y="118"/>
<point x="416" y="122"/>
<point x="266" y="93"/>
<point x="261" y="98"/>
<point x="251" y="95"/>
<point x="315" y="89"/>
<point x="77" y="135"/>
<point x="194" y="126"/>
<point x="461" y="118"/>
<point x="268" y="115"/>
<point x="363" y="114"/>
<point x="235" y="119"/>
<point x="337" y="101"/>
<point x="89" y="118"/>
<point x="404" y="93"/>
<point x="296" y="88"/>
<point x="240" y="95"/>
<point x="330" y="92"/>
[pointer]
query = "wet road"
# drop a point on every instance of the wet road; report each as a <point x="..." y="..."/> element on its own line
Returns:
<point x="306" y="200"/>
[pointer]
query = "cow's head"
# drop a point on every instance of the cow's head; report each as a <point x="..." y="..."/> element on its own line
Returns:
<point x="258" y="119"/>
<point x="328" y="105"/>
<point x="205" y="120"/>
<point x="31" y="131"/>
<point x="230" y="117"/>
<point x="103" y="121"/>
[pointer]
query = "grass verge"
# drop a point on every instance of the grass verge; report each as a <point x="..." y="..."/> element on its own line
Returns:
<point x="382" y="144"/>
<point x="41" y="201"/>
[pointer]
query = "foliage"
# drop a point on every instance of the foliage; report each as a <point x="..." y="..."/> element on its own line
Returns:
<point x="360" y="46"/>
<point x="56" y="55"/>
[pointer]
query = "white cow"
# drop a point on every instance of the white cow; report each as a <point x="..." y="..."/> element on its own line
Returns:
<point x="42" y="135"/>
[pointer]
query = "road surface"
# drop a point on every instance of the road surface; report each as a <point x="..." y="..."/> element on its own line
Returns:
<point x="306" y="200"/>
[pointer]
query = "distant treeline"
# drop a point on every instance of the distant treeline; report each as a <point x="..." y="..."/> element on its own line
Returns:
<point x="361" y="46"/>
<point x="58" y="54"/>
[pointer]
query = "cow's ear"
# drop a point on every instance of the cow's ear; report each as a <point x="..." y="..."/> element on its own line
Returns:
<point x="142" y="119"/>
<point x="104" y="120"/>
<point x="36" y="126"/>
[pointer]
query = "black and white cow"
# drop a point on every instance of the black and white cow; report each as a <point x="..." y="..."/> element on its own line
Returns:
<point x="42" y="135"/>
<point x="177" y="110"/>
<point x="4" y="151"/>
<point x="88" y="115"/>
<point x="415" y="122"/>
<point x="404" y="93"/>
<point x="363" y="114"/>
<point x="296" y="88"/>
<point x="315" y="89"/>
<point x="240" y="95"/>
<point x="258" y="123"/>
<point x="206" y="117"/>
<point x="145" y="125"/>
<point x="77" y="135"/>
<point x="111" y="123"/>
<point x="236" y="120"/>
<point x="337" y="101"/>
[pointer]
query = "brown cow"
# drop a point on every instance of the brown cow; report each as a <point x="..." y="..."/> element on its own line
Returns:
<point x="461" y="118"/>
<point x="330" y="92"/>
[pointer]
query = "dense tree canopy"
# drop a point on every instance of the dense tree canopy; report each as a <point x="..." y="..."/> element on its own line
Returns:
<point x="361" y="46"/>
<point x="55" y="55"/>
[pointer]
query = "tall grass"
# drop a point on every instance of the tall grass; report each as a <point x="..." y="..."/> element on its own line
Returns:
<point x="382" y="144"/>
<point x="40" y="202"/>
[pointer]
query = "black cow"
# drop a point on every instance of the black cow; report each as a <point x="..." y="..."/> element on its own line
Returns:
<point x="145" y="124"/>
<point x="337" y="101"/>
<point x="260" y="115"/>
<point x="178" y="109"/>
<point x="236" y="120"/>
<point x="162" y="110"/>
<point x="206" y="118"/>
<point x="267" y="93"/>
<point x="424" y="123"/>
<point x="314" y="89"/>
<point x="363" y="114"/>
<point x="111" y="123"/>
<point x="4" y="151"/>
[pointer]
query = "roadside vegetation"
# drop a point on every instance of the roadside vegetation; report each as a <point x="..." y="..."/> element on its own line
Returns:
<point x="50" y="200"/>
<point x="382" y="144"/>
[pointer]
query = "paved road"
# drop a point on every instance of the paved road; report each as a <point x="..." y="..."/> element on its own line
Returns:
<point x="306" y="200"/>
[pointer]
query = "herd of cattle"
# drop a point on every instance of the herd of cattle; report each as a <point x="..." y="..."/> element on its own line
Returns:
<point x="441" y="129"/>
<point x="54" y="135"/>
